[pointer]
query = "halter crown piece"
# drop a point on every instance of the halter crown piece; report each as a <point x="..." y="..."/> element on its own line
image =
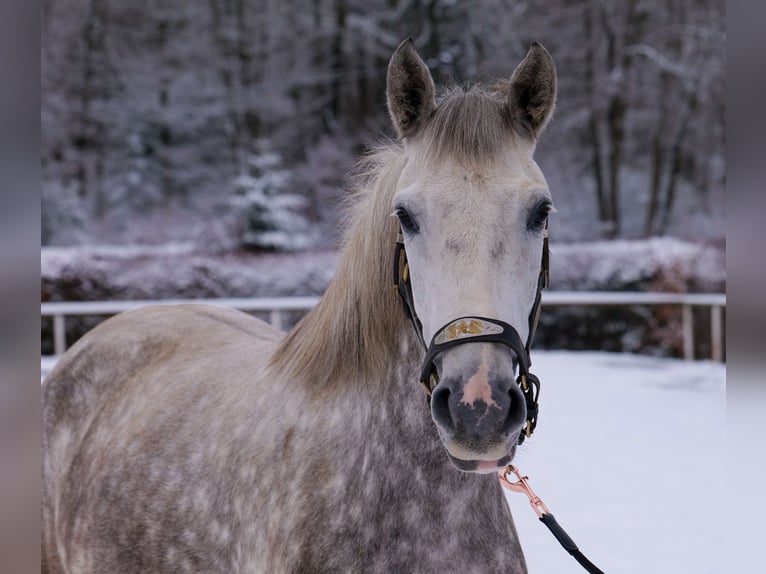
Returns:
<point x="476" y="330"/>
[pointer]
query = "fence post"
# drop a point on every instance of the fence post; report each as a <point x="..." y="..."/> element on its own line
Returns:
<point x="275" y="318"/>
<point x="688" y="332"/>
<point x="59" y="335"/>
<point x="716" y="333"/>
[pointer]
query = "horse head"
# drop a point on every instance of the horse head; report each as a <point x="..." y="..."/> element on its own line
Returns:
<point x="472" y="206"/>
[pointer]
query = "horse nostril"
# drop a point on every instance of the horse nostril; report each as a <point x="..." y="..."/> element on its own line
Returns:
<point x="440" y="410"/>
<point x="481" y="419"/>
<point x="517" y="409"/>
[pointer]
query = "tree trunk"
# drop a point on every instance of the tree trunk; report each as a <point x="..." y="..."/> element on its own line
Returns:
<point x="596" y="166"/>
<point x="336" y="57"/>
<point x="89" y="137"/>
<point x="674" y="162"/>
<point x="654" y="183"/>
<point x="228" y="78"/>
<point x="615" y="123"/>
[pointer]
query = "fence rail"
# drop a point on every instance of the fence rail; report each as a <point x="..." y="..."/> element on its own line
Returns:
<point x="277" y="306"/>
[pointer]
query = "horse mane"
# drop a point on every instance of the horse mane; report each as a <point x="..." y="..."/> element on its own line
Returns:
<point x="359" y="322"/>
<point x="357" y="325"/>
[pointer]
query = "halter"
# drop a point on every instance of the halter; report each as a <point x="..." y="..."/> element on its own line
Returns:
<point x="476" y="330"/>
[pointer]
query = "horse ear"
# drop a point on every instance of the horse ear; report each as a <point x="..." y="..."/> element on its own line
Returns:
<point x="409" y="89"/>
<point x="532" y="92"/>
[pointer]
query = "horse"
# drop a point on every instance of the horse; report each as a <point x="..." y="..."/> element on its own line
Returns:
<point x="192" y="438"/>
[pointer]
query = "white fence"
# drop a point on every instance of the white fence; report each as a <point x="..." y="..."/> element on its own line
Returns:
<point x="277" y="306"/>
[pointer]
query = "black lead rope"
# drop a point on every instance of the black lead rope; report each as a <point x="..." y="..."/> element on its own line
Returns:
<point x="550" y="521"/>
<point x="545" y="516"/>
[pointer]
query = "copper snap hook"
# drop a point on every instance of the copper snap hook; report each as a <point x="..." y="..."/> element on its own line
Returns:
<point x="523" y="486"/>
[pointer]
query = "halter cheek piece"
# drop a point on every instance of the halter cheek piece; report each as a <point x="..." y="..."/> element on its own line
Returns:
<point x="476" y="330"/>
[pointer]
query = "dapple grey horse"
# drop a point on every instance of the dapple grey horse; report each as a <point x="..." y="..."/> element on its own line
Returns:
<point x="199" y="439"/>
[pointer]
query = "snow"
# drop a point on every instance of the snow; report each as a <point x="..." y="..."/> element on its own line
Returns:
<point x="627" y="456"/>
<point x="55" y="259"/>
<point x="659" y="263"/>
<point x="141" y="271"/>
<point x="46" y="365"/>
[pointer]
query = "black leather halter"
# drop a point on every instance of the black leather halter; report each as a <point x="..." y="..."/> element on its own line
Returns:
<point x="472" y="329"/>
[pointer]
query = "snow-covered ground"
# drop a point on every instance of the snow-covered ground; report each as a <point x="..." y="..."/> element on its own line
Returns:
<point x="627" y="456"/>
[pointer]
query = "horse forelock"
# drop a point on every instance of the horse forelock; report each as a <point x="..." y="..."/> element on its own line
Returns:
<point x="469" y="125"/>
<point x="358" y="325"/>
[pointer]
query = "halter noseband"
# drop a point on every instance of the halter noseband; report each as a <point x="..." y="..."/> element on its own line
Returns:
<point x="476" y="330"/>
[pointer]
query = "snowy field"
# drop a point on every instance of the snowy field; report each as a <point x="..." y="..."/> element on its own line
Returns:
<point x="627" y="456"/>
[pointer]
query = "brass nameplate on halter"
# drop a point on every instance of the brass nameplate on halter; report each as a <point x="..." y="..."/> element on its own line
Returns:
<point x="466" y="328"/>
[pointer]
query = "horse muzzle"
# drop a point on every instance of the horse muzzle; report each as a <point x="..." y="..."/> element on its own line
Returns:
<point x="477" y="404"/>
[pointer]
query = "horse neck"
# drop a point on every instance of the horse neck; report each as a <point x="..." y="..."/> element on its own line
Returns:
<point x="365" y="425"/>
<point x="356" y="330"/>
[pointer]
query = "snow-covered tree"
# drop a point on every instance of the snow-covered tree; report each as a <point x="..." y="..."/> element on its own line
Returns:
<point x="269" y="214"/>
<point x="63" y="215"/>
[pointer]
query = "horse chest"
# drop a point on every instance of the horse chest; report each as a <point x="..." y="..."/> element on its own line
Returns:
<point x="401" y="528"/>
<point x="376" y="494"/>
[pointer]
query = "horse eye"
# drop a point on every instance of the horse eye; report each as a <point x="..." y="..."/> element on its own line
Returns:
<point x="409" y="225"/>
<point x="539" y="217"/>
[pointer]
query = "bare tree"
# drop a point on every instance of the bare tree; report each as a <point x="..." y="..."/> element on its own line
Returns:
<point x="159" y="104"/>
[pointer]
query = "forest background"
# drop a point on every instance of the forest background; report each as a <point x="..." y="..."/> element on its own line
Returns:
<point x="186" y="144"/>
<point x="160" y="117"/>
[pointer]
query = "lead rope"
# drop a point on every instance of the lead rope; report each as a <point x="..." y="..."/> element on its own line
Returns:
<point x="545" y="516"/>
